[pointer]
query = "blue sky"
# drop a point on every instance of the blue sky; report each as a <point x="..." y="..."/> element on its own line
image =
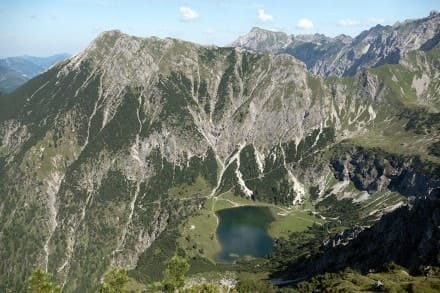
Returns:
<point x="45" y="27"/>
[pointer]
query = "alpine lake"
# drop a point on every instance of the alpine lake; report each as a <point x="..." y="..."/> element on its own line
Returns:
<point x="243" y="232"/>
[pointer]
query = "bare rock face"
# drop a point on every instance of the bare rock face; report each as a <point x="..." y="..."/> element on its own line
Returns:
<point x="343" y="56"/>
<point x="374" y="171"/>
<point x="407" y="236"/>
<point x="264" y="41"/>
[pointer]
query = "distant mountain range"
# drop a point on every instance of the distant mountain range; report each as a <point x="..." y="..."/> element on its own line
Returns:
<point x="343" y="55"/>
<point x="15" y="71"/>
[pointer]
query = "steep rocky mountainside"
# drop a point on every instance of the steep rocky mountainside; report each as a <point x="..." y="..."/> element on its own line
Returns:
<point x="94" y="150"/>
<point x="344" y="56"/>
<point x="15" y="71"/>
<point x="408" y="236"/>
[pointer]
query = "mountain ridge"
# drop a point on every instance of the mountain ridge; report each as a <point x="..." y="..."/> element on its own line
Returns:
<point x="97" y="149"/>
<point x="15" y="71"/>
<point x="338" y="56"/>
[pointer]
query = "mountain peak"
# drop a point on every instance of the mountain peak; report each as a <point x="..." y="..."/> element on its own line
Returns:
<point x="110" y="33"/>
<point x="107" y="36"/>
<point x="314" y="38"/>
<point x="344" y="38"/>
<point x="434" y="13"/>
<point x="257" y="29"/>
<point x="261" y="39"/>
<point x="344" y="55"/>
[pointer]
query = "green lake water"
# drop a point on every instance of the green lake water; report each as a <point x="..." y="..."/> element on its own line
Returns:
<point x="243" y="232"/>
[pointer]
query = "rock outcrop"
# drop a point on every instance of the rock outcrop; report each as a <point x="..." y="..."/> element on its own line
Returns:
<point x="375" y="170"/>
<point x="409" y="236"/>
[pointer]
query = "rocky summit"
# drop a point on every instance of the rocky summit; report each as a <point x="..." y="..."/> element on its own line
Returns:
<point x="107" y="154"/>
<point x="343" y="55"/>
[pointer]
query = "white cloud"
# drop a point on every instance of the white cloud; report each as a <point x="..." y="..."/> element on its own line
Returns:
<point x="304" y="24"/>
<point x="348" y="22"/>
<point x="263" y="16"/>
<point x="188" y="14"/>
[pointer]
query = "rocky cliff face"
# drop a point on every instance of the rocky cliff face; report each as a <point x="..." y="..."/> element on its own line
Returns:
<point x="408" y="236"/>
<point x="343" y="56"/>
<point x="264" y="41"/>
<point x="93" y="152"/>
<point x="374" y="170"/>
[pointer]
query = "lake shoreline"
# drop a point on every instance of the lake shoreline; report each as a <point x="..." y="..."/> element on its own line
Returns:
<point x="243" y="232"/>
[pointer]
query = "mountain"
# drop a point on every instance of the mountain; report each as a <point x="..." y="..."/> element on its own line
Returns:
<point x="15" y="71"/>
<point x="264" y="41"/>
<point x="10" y="79"/>
<point x="344" y="56"/>
<point x="106" y="155"/>
<point x="408" y="236"/>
